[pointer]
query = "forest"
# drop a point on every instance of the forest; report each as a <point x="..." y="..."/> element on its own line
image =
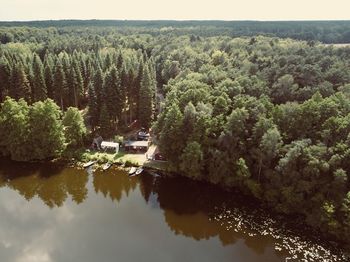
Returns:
<point x="266" y="115"/>
<point x="323" y="31"/>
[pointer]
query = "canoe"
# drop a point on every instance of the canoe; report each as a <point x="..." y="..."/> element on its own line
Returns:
<point x="139" y="171"/>
<point x="132" y="170"/>
<point x="106" y="166"/>
<point x="88" y="164"/>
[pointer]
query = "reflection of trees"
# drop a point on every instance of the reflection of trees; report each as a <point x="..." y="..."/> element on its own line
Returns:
<point x="190" y="209"/>
<point x="196" y="225"/>
<point x="113" y="183"/>
<point x="52" y="183"/>
<point x="146" y="185"/>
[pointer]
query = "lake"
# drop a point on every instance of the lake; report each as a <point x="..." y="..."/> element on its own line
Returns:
<point x="51" y="212"/>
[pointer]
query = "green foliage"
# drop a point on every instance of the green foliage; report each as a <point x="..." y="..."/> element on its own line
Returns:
<point x="191" y="160"/>
<point x="171" y="137"/>
<point x="74" y="127"/>
<point x="113" y="94"/>
<point x="39" y="90"/>
<point x="105" y="122"/>
<point x="14" y="124"/>
<point x="31" y="132"/>
<point x="46" y="130"/>
<point x="60" y="85"/>
<point x="20" y="86"/>
<point x="146" y="99"/>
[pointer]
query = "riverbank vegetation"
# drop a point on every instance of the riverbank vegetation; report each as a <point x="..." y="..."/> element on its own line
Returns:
<point x="266" y="115"/>
<point x="38" y="131"/>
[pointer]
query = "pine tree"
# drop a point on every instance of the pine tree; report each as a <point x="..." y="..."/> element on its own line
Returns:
<point x="107" y="62"/>
<point x="72" y="85"/>
<point x="137" y="86"/>
<point x="124" y="84"/>
<point x="5" y="73"/>
<point x="146" y="99"/>
<point x="120" y="62"/>
<point x="105" y="123"/>
<point x="59" y="85"/>
<point x="98" y="83"/>
<point x="48" y="75"/>
<point x="19" y="86"/>
<point x="130" y="87"/>
<point x="79" y="83"/>
<point x="113" y="95"/>
<point x="39" y="91"/>
<point x="94" y="110"/>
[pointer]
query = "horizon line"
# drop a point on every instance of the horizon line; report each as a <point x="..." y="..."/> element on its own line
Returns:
<point x="178" y="20"/>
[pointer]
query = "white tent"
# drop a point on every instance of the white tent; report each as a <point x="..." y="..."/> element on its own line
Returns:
<point x="108" y="145"/>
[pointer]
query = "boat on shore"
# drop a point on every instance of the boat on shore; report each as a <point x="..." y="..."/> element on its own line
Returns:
<point x="106" y="166"/>
<point x="132" y="171"/>
<point x="139" y="171"/>
<point x="136" y="172"/>
<point x="88" y="164"/>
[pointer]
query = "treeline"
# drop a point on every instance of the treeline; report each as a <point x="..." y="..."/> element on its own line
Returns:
<point x="267" y="116"/>
<point x="323" y="31"/>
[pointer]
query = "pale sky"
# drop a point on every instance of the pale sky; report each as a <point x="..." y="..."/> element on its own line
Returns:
<point x="175" y="9"/>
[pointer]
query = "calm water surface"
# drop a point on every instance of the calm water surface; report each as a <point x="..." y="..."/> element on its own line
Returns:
<point x="53" y="213"/>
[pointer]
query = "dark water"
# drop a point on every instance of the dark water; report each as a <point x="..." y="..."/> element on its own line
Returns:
<point x="53" y="213"/>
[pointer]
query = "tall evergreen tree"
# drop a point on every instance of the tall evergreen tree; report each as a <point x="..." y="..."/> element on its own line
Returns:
<point x="19" y="87"/>
<point x="120" y="62"/>
<point x="98" y="83"/>
<point x="130" y="87"/>
<point x="107" y="62"/>
<point x="137" y="86"/>
<point x="5" y="73"/>
<point x="59" y="85"/>
<point x="39" y="90"/>
<point x="146" y="99"/>
<point x="72" y="85"/>
<point x="93" y="107"/>
<point x="105" y="123"/>
<point x="79" y="83"/>
<point x="48" y="74"/>
<point x="113" y="94"/>
<point x="124" y="86"/>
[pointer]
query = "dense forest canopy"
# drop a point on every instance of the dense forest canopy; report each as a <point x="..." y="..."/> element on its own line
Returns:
<point x="323" y="31"/>
<point x="267" y="115"/>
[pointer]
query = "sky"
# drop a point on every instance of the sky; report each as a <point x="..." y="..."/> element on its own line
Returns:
<point x="23" y="10"/>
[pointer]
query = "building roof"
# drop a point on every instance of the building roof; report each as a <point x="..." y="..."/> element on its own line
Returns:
<point x="137" y="143"/>
<point x="109" y="144"/>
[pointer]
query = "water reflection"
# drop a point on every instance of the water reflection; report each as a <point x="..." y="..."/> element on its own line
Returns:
<point x="53" y="184"/>
<point x="113" y="184"/>
<point x="142" y="205"/>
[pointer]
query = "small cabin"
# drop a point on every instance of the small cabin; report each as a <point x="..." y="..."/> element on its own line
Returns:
<point x="136" y="146"/>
